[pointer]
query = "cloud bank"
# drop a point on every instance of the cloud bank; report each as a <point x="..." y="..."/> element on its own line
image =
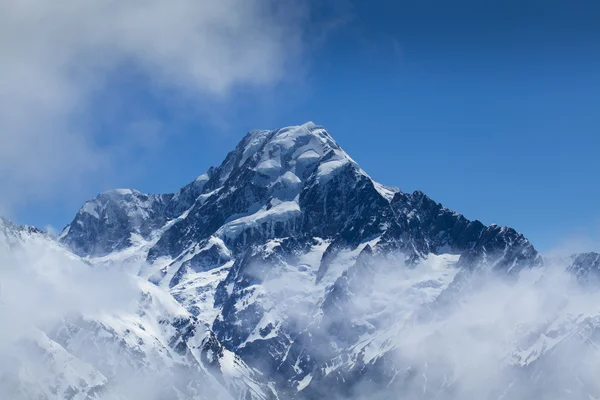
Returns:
<point x="533" y="338"/>
<point x="69" y="330"/>
<point x="58" y="55"/>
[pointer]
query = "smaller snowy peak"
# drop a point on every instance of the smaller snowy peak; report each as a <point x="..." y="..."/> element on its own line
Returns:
<point x="9" y="226"/>
<point x="136" y="206"/>
<point x="106" y="223"/>
<point x="12" y="234"/>
<point x="585" y="267"/>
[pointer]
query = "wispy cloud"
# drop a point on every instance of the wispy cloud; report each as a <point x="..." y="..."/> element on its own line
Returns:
<point x="56" y="55"/>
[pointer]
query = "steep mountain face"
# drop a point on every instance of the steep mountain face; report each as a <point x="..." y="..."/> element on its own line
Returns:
<point x="75" y="332"/>
<point x="107" y="223"/>
<point x="289" y="272"/>
<point x="271" y="246"/>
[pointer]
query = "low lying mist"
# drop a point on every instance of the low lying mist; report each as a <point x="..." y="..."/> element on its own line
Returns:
<point x="70" y="330"/>
<point x="383" y="330"/>
<point x="495" y="337"/>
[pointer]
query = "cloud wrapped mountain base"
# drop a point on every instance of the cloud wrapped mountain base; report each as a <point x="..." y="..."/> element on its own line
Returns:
<point x="287" y="272"/>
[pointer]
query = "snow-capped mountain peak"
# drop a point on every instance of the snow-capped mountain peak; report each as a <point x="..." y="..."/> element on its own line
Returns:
<point x="293" y="257"/>
<point x="290" y="151"/>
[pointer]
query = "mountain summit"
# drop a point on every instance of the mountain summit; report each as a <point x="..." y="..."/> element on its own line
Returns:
<point x="289" y="224"/>
<point x="291" y="182"/>
<point x="287" y="272"/>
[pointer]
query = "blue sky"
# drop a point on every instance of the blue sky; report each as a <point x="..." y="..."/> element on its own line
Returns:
<point x="489" y="107"/>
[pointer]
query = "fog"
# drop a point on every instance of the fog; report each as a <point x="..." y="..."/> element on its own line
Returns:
<point x="402" y="336"/>
<point x="536" y="337"/>
<point x="70" y="330"/>
<point x="42" y="283"/>
<point x="430" y="331"/>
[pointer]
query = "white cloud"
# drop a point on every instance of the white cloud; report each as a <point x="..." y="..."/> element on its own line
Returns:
<point x="57" y="54"/>
<point x="498" y="339"/>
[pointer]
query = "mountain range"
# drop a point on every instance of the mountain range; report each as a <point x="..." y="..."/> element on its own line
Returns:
<point x="287" y="272"/>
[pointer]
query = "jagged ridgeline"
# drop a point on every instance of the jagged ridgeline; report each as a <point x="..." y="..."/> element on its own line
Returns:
<point x="288" y="272"/>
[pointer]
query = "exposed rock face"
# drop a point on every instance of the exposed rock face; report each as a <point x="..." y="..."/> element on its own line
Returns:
<point x="274" y="250"/>
<point x="107" y="223"/>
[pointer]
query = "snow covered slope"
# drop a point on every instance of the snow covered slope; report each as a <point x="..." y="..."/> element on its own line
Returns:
<point x="288" y="272"/>
<point x="71" y="331"/>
